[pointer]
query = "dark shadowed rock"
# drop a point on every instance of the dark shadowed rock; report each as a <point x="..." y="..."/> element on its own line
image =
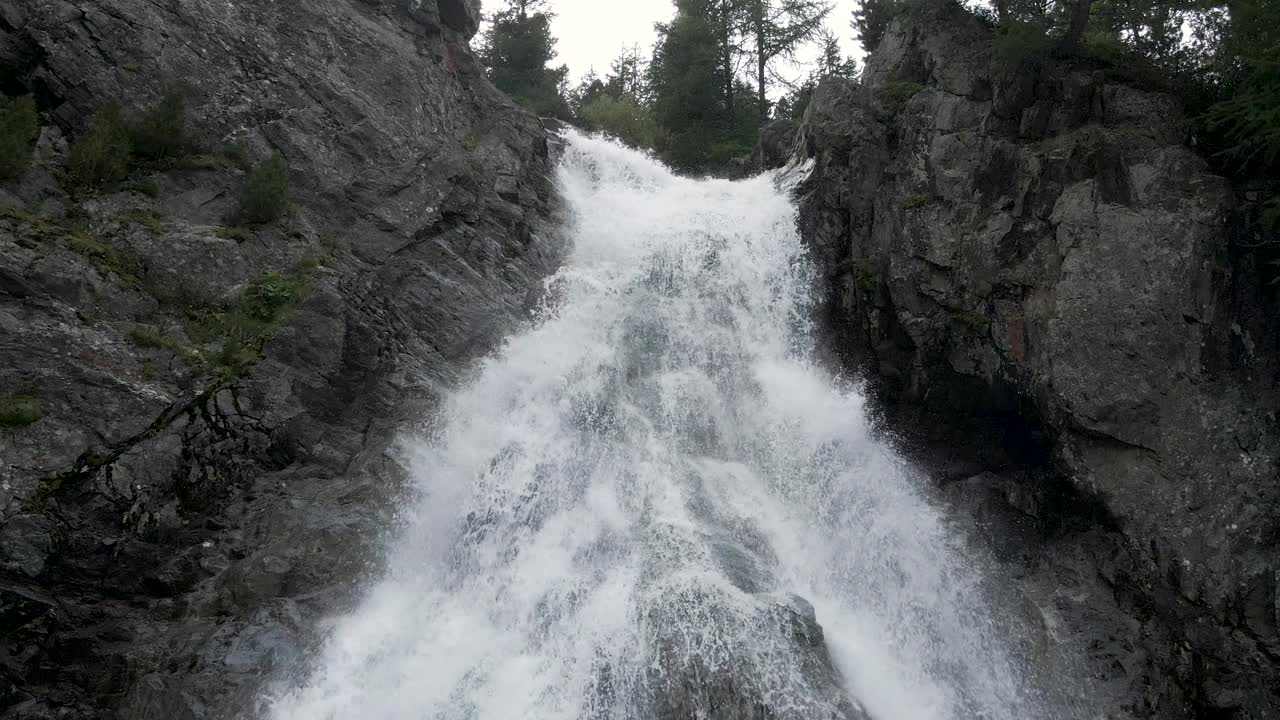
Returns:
<point x="776" y="145"/>
<point x="1037" y="247"/>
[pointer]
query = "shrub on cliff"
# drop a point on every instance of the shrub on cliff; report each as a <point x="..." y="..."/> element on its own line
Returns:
<point x="1250" y="121"/>
<point x="266" y="191"/>
<point x="101" y="155"/>
<point x="18" y="127"/>
<point x="1018" y="43"/>
<point x="161" y="133"/>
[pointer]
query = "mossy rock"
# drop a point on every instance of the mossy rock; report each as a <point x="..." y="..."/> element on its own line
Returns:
<point x="19" y="412"/>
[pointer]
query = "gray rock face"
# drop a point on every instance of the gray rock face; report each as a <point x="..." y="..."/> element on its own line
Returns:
<point x="776" y="145"/>
<point x="1037" y="246"/>
<point x="196" y="478"/>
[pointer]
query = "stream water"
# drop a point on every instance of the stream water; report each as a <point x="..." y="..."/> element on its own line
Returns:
<point x="653" y="502"/>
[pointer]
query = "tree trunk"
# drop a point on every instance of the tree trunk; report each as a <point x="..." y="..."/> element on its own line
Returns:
<point x="726" y="52"/>
<point x="1077" y="23"/>
<point x="762" y="37"/>
<point x="762" y="98"/>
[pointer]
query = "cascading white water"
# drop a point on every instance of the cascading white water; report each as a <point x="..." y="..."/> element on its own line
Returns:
<point x="620" y="501"/>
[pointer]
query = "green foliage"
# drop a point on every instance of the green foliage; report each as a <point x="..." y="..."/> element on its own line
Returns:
<point x="1018" y="43"/>
<point x="872" y="18"/>
<point x="101" y="155"/>
<point x="19" y="125"/>
<point x="831" y="64"/>
<point x="517" y="48"/>
<point x="237" y="155"/>
<point x="161" y="133"/>
<point x="1248" y="122"/>
<point x="703" y="112"/>
<point x="109" y="259"/>
<point x="793" y="105"/>
<point x="774" y="29"/>
<point x="831" y="59"/>
<point x="623" y="118"/>
<point x="33" y="231"/>
<point x="240" y="331"/>
<point x="265" y="298"/>
<point x="265" y="196"/>
<point x="19" y="412"/>
<point x="1234" y="79"/>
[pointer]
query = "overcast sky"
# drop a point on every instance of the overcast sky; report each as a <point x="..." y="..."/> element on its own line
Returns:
<point x="591" y="32"/>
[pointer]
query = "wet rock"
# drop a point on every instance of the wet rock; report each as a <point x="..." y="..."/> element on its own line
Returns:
<point x="26" y="542"/>
<point x="197" y="489"/>
<point x="707" y="666"/>
<point x="1038" y="249"/>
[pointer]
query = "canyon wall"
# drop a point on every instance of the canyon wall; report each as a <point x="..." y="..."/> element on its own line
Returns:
<point x="194" y="454"/>
<point x="1033" y="249"/>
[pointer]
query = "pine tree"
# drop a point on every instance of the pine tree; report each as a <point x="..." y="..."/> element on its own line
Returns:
<point x="831" y="59"/>
<point x="871" y="19"/>
<point x="517" y="49"/>
<point x="775" y="28"/>
<point x="698" y="101"/>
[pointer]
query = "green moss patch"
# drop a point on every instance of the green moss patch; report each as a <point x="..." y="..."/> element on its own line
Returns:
<point x="19" y="125"/>
<point x="19" y="412"/>
<point x="265" y="196"/>
<point x="101" y="155"/>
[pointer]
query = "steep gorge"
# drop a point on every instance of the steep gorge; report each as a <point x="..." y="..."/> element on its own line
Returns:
<point x="1034" y="273"/>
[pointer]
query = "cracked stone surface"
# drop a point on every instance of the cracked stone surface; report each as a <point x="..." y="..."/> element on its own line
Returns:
<point x="1037" y="247"/>
<point x="172" y="525"/>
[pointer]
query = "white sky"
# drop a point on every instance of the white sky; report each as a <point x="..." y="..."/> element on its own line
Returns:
<point x="591" y="32"/>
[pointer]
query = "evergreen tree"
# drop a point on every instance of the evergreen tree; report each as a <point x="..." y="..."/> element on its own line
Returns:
<point x="1245" y="120"/>
<point x="775" y="28"/>
<point x="872" y="18"/>
<point x="831" y="59"/>
<point x="831" y="64"/>
<point x="617" y="105"/>
<point x="590" y="88"/>
<point x="697" y="98"/>
<point x="626" y="74"/>
<point x="517" y="49"/>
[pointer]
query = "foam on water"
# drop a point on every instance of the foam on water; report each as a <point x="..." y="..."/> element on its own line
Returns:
<point x="646" y="461"/>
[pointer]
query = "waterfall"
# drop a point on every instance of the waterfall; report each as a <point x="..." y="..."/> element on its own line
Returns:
<point x="653" y="502"/>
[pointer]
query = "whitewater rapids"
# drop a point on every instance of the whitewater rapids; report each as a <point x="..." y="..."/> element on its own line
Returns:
<point x="639" y="506"/>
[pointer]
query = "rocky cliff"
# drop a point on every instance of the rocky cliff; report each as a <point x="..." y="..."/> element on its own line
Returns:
<point x="195" y="415"/>
<point x="1035" y="247"/>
